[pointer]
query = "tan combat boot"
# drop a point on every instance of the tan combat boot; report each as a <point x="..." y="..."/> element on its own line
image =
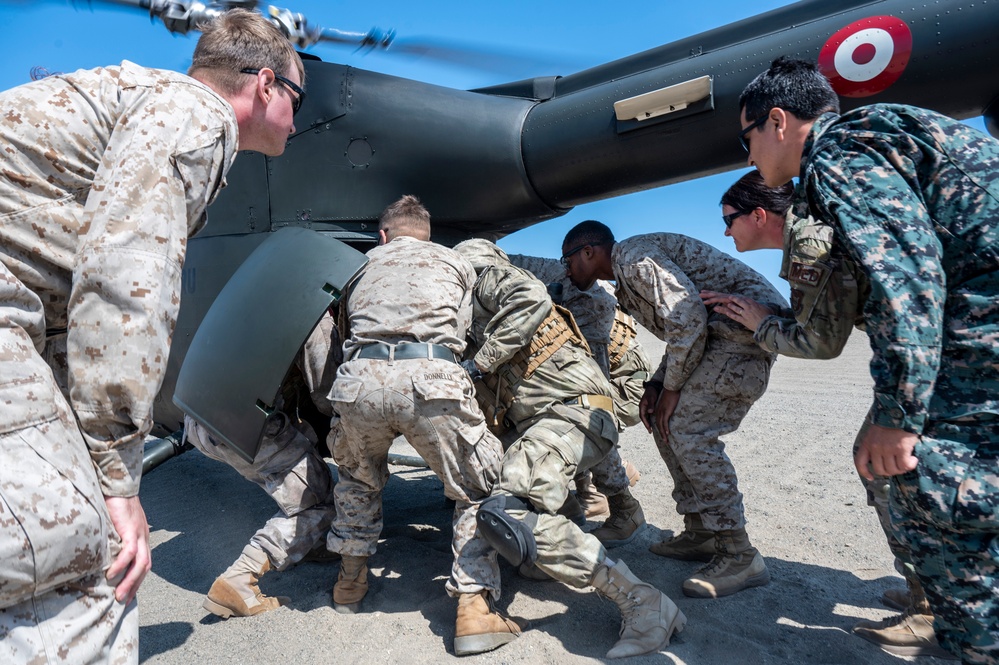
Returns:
<point x="897" y="599"/>
<point x="737" y="565"/>
<point x="478" y="628"/>
<point x="351" y="585"/>
<point x="694" y="543"/>
<point x="908" y="634"/>
<point x="648" y="616"/>
<point x="625" y="521"/>
<point x="902" y="599"/>
<point x="634" y="475"/>
<point x="235" y="592"/>
<point x="593" y="502"/>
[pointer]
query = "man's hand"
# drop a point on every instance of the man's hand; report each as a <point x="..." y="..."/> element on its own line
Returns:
<point x="664" y="411"/>
<point x="888" y="451"/>
<point x="740" y="309"/>
<point x="647" y="406"/>
<point x="474" y="373"/>
<point x="135" y="559"/>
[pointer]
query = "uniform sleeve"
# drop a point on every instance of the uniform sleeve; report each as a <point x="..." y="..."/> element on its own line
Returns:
<point x="679" y="313"/>
<point x="789" y="337"/>
<point x="822" y="318"/>
<point x="520" y="305"/>
<point x="150" y="190"/>
<point x="319" y="359"/>
<point x="889" y="232"/>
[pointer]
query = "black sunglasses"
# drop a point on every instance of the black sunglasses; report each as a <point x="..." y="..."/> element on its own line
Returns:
<point x="742" y="135"/>
<point x="729" y="218"/>
<point x="296" y="103"/>
<point x="565" y="257"/>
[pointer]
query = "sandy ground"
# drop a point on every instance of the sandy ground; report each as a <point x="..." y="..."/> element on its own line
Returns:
<point x="807" y="514"/>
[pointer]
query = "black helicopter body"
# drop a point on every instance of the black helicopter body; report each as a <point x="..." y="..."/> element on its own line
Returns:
<point x="493" y="160"/>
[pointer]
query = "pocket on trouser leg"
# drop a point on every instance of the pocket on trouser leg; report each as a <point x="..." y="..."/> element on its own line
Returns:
<point x="481" y="459"/>
<point x="301" y="487"/>
<point x="52" y="530"/>
<point x="954" y="485"/>
<point x="534" y="471"/>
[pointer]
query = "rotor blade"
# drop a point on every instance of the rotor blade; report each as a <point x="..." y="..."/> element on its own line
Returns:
<point x="478" y="57"/>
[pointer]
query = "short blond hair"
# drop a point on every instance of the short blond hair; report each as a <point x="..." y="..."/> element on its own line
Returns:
<point x="405" y="217"/>
<point x="241" y="39"/>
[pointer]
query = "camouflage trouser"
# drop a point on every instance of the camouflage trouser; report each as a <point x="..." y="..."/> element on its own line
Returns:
<point x="609" y="475"/>
<point x="628" y="379"/>
<point x="431" y="403"/>
<point x="946" y="513"/>
<point x="80" y="622"/>
<point x="713" y="402"/>
<point x="55" y="534"/>
<point x="539" y="467"/>
<point x="877" y="498"/>
<point x="289" y="468"/>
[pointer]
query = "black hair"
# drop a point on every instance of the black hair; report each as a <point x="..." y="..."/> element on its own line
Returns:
<point x="750" y="192"/>
<point x="590" y="232"/>
<point x="794" y="85"/>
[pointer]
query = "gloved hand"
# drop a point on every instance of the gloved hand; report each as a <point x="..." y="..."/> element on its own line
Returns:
<point x="474" y="373"/>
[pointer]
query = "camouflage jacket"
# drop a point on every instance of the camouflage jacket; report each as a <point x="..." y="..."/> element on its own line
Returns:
<point x="411" y="291"/>
<point x="509" y="307"/>
<point x="659" y="278"/>
<point x="915" y="196"/>
<point x="103" y="176"/>
<point x="593" y="309"/>
<point x="828" y="292"/>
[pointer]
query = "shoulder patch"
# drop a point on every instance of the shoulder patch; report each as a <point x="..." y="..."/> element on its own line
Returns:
<point x="803" y="273"/>
<point x="796" y="299"/>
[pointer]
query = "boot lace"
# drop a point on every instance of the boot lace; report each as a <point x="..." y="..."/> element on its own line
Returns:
<point x="716" y="564"/>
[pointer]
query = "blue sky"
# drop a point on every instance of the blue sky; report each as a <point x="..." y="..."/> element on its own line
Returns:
<point x="564" y="36"/>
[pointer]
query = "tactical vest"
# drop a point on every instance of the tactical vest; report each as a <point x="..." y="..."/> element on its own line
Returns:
<point x="624" y="329"/>
<point x="495" y="391"/>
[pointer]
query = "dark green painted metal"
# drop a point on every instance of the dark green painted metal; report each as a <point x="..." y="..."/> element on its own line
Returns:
<point x="249" y="338"/>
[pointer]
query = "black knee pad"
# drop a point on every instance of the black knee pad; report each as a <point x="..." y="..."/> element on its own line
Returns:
<point x="512" y="538"/>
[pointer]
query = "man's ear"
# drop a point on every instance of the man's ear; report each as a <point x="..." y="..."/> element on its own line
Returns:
<point x="265" y="85"/>
<point x="382" y="237"/>
<point x="779" y="117"/>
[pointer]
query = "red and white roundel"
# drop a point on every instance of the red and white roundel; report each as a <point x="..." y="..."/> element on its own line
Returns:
<point x="866" y="56"/>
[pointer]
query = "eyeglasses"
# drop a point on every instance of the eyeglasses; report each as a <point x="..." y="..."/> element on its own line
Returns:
<point x="296" y="103"/>
<point x="744" y="133"/>
<point x="729" y="218"/>
<point x="565" y="257"/>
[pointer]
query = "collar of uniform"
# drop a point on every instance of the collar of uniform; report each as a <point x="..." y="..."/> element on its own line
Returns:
<point x="819" y="127"/>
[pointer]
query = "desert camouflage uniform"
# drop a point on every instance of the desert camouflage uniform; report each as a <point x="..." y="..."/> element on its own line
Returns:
<point x="915" y="197"/>
<point x="288" y="466"/>
<point x="412" y="291"/>
<point x="555" y="440"/>
<point x="713" y="361"/>
<point x="594" y="311"/>
<point x="103" y="175"/>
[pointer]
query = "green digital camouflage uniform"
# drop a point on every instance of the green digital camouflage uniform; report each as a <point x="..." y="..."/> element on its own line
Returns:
<point x="555" y="440"/>
<point x="412" y="291"/>
<point x="711" y="360"/>
<point x="103" y="176"/>
<point x="914" y="197"/>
